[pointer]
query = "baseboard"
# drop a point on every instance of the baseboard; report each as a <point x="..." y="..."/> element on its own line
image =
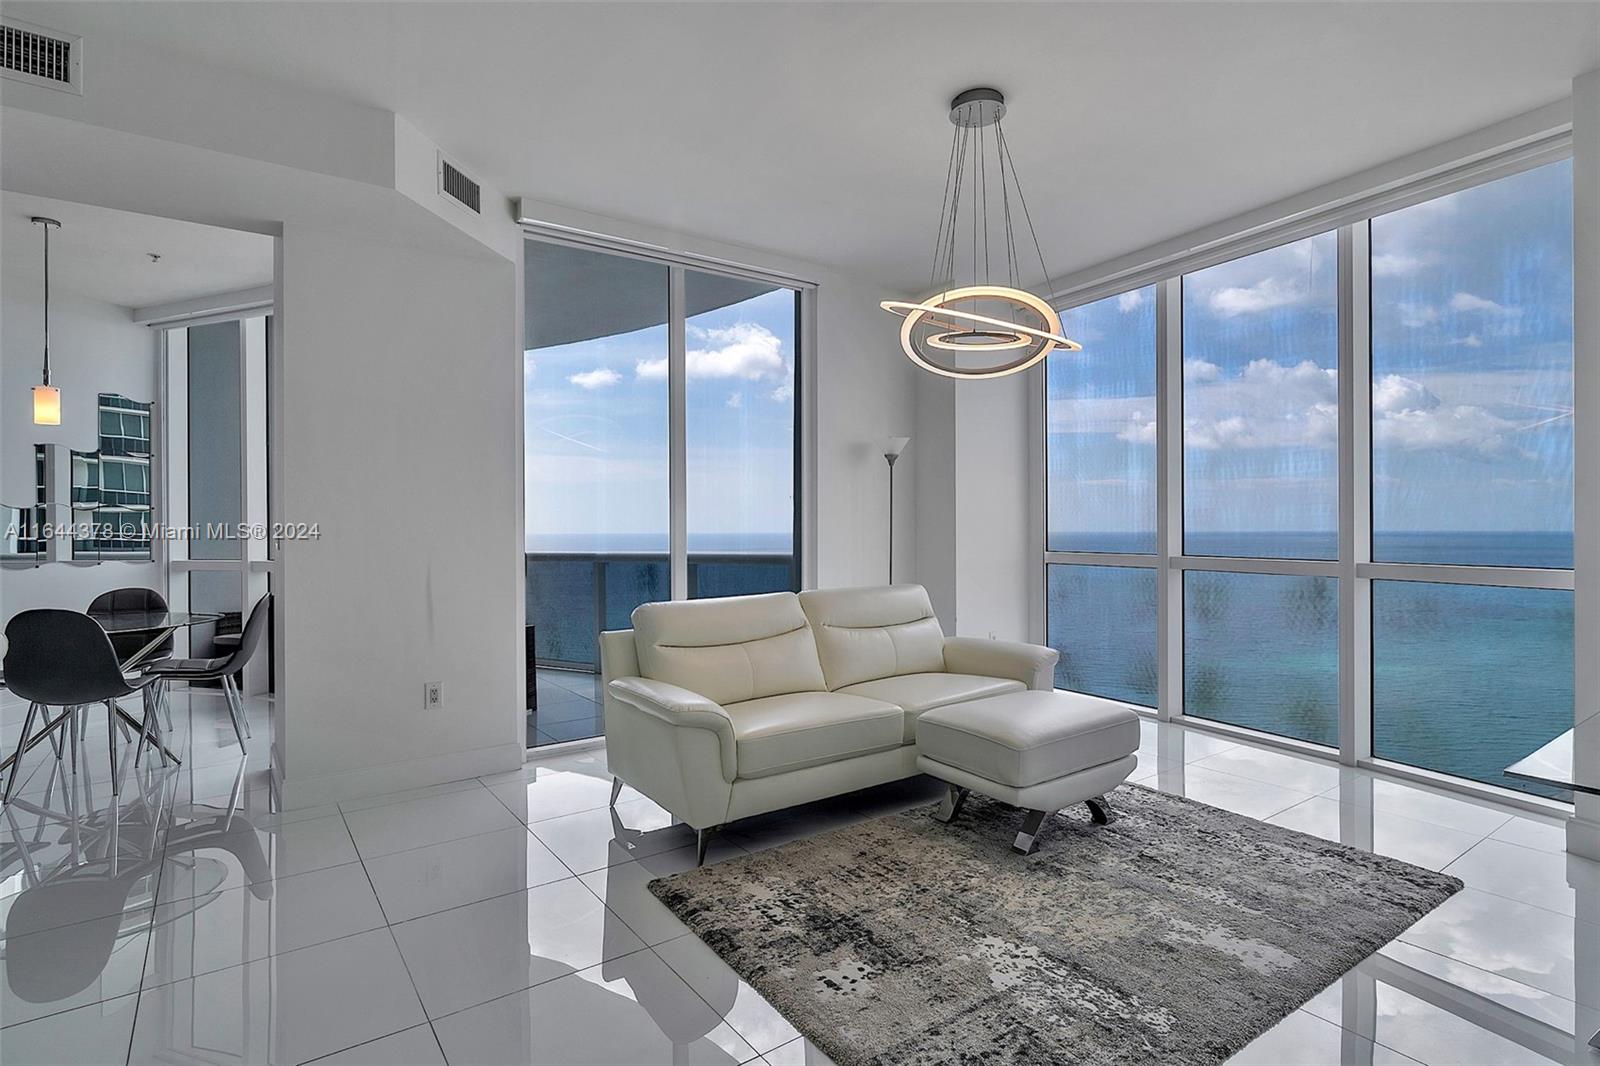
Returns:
<point x="298" y="792"/>
<point x="1583" y="838"/>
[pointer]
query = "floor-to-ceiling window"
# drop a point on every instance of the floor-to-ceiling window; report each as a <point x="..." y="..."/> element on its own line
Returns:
<point x="1324" y="490"/>
<point x="1472" y="469"/>
<point x="660" y="444"/>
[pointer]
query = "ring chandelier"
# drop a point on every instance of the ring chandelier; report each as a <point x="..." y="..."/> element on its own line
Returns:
<point x="1006" y="328"/>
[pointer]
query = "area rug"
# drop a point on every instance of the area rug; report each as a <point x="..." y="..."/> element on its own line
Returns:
<point x="1176" y="934"/>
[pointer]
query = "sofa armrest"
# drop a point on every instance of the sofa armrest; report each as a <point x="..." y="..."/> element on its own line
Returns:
<point x="1032" y="664"/>
<point x="680" y="707"/>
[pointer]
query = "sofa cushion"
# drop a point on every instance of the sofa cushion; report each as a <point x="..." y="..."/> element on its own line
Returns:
<point x="1023" y="738"/>
<point x="866" y="633"/>
<point x="915" y="693"/>
<point x="792" y="731"/>
<point x="729" y="650"/>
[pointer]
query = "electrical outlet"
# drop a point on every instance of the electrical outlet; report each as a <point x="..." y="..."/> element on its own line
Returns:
<point x="432" y="695"/>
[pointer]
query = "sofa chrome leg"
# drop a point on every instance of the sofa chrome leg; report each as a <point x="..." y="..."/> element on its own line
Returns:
<point x="616" y="790"/>
<point x="703" y="838"/>
<point x="955" y="796"/>
<point x="1099" y="810"/>
<point x="1028" y="839"/>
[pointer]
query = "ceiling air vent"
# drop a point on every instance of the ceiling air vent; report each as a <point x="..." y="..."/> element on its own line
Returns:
<point x="41" y="56"/>
<point x="457" y="186"/>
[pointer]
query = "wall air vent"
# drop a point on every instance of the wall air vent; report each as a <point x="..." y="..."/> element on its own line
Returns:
<point x="457" y="186"/>
<point x="41" y="56"/>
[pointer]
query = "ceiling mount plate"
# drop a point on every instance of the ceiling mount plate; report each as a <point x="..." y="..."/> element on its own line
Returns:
<point x="978" y="107"/>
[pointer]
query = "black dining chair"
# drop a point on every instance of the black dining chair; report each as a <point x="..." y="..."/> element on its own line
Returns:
<point x="139" y="600"/>
<point x="64" y="659"/>
<point x="223" y="667"/>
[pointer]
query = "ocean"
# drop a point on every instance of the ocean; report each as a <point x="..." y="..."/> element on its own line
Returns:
<point x="1466" y="679"/>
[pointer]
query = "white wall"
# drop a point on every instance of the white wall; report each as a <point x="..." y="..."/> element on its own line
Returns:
<point x="94" y="348"/>
<point x="865" y="391"/>
<point x="974" y="508"/>
<point x="396" y="436"/>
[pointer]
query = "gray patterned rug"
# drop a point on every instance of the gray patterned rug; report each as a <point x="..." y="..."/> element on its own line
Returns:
<point x="1175" y="935"/>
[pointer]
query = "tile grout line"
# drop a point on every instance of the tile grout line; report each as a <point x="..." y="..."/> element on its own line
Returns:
<point x="389" y="928"/>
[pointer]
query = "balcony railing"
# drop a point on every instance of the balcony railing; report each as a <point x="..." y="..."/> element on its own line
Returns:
<point x="573" y="596"/>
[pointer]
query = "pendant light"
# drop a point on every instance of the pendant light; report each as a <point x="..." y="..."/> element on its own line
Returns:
<point x="46" y="399"/>
<point x="991" y="327"/>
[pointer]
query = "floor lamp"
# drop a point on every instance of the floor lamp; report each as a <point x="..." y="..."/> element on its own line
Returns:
<point x="892" y="447"/>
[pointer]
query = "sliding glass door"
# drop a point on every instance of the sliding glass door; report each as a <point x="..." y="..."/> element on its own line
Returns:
<point x="660" y="438"/>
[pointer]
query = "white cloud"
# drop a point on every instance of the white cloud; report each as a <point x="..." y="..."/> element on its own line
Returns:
<point x="1264" y="295"/>
<point x="1466" y="301"/>
<point x="735" y="400"/>
<point x="1141" y="429"/>
<point x="1268" y="405"/>
<point x="743" y="350"/>
<point x="783" y="393"/>
<point x="598" y="378"/>
<point x="1397" y="264"/>
<point x="1131" y="301"/>
<point x="1409" y="415"/>
<point x="1471" y="340"/>
<point x="1415" y="315"/>
<point x="1197" y="371"/>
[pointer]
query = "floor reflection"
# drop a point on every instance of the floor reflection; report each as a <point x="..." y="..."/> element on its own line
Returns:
<point x="508" y="919"/>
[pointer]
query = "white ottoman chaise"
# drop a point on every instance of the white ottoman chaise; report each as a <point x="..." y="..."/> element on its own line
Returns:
<point x="1040" y="751"/>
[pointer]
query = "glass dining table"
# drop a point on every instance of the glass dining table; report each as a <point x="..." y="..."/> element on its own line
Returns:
<point x="157" y="626"/>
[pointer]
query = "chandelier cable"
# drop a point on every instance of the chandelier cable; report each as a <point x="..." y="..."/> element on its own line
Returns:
<point x="1023" y="199"/>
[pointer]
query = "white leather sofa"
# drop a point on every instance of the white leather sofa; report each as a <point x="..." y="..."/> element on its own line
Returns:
<point x="726" y="708"/>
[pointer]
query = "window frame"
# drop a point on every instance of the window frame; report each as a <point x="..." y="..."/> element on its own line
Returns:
<point x="1354" y="567"/>
<point x="678" y="265"/>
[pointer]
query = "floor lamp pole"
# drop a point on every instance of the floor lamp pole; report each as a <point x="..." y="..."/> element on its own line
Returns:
<point x="891" y="459"/>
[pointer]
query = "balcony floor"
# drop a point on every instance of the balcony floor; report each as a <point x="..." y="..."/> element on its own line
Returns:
<point x="569" y="708"/>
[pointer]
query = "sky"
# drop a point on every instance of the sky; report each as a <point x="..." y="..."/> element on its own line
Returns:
<point x="596" y="434"/>
<point x="1471" y="383"/>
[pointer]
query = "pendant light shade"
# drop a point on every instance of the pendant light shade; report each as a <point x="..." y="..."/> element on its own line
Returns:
<point x="991" y="327"/>
<point x="46" y="405"/>
<point x="46" y="400"/>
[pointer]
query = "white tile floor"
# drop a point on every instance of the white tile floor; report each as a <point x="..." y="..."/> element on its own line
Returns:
<point x="506" y="920"/>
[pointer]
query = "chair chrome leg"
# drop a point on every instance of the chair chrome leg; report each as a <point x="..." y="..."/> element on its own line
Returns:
<point x="1099" y="810"/>
<point x="236" y="707"/>
<point x="616" y="790"/>
<point x="55" y="740"/>
<point x="72" y="735"/>
<point x="227" y="693"/>
<point x="954" y="798"/>
<point x="22" y="742"/>
<point x="1028" y="839"/>
<point x="112" y="721"/>
<point x="166" y="704"/>
<point x="144" y="732"/>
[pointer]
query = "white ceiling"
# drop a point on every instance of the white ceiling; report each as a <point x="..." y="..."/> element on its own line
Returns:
<point x="105" y="254"/>
<point x="819" y="130"/>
